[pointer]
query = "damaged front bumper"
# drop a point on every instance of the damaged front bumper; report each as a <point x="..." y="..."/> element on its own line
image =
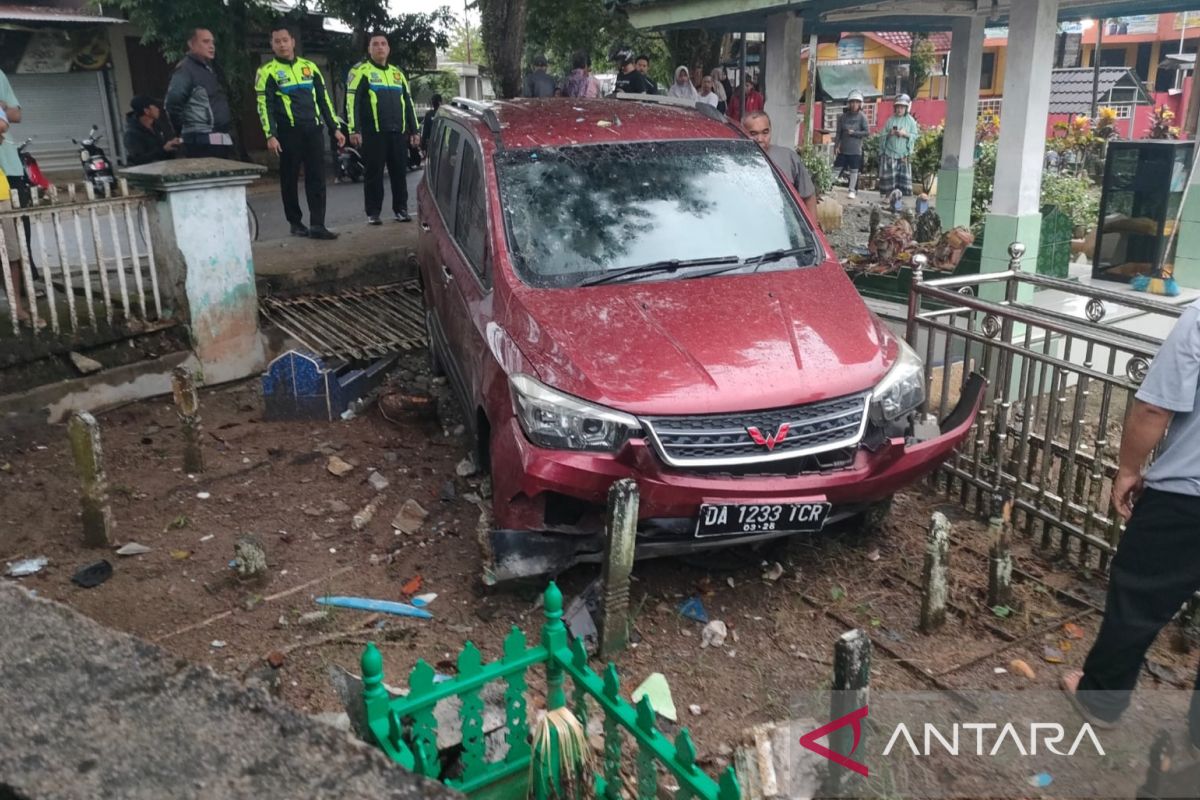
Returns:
<point x="669" y="500"/>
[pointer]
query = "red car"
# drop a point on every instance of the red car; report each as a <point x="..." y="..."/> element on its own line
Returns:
<point x="622" y="288"/>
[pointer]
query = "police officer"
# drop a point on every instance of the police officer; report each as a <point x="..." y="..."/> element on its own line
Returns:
<point x="293" y="103"/>
<point x="383" y="120"/>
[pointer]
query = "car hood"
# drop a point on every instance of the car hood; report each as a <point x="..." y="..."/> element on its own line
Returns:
<point x="706" y="345"/>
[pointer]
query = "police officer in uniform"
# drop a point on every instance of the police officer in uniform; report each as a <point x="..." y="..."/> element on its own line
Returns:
<point x="383" y="121"/>
<point x="294" y="105"/>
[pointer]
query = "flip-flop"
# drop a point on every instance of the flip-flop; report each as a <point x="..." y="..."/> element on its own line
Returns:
<point x="1080" y="708"/>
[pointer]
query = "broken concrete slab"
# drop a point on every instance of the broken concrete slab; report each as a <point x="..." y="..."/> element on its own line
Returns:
<point x="92" y="712"/>
<point x="85" y="365"/>
<point x="771" y="763"/>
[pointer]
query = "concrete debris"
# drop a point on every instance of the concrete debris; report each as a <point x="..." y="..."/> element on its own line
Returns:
<point x="410" y="517"/>
<point x="133" y="549"/>
<point x="695" y="710"/>
<point x="249" y="557"/>
<point x="85" y="365"/>
<point x="466" y="468"/>
<point x="378" y="482"/>
<point x="338" y="466"/>
<point x="773" y="573"/>
<point x="448" y="492"/>
<point x="338" y="507"/>
<point x="334" y="719"/>
<point x="714" y="634"/>
<point x="26" y="566"/>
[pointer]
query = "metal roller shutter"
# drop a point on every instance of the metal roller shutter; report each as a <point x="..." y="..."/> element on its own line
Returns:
<point x="56" y="108"/>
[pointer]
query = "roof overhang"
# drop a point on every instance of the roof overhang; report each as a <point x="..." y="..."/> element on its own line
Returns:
<point x="834" y="16"/>
<point x="43" y="14"/>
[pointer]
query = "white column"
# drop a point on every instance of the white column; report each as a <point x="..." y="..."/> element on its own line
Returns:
<point x="781" y="90"/>
<point x="962" y="105"/>
<point x="1032" y="27"/>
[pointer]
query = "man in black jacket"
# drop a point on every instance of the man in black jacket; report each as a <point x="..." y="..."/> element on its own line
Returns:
<point x="146" y="139"/>
<point x="197" y="103"/>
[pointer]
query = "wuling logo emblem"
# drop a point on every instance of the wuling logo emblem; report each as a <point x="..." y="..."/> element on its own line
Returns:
<point x="769" y="441"/>
<point x="853" y="719"/>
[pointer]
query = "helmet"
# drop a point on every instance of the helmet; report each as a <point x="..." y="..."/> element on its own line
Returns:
<point x="622" y="54"/>
<point x="903" y="100"/>
<point x="855" y="94"/>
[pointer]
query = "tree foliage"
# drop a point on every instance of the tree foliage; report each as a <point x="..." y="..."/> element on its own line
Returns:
<point x="414" y="38"/>
<point x="921" y="59"/>
<point x="558" y="29"/>
<point x="463" y="35"/>
<point x="698" y="50"/>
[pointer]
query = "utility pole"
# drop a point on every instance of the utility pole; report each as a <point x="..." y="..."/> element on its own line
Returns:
<point x="467" y="25"/>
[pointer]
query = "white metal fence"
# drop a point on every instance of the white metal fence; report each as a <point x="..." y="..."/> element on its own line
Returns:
<point x="72" y="259"/>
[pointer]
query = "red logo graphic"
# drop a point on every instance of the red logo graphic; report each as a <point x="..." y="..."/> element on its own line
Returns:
<point x="853" y="719"/>
<point x="769" y="442"/>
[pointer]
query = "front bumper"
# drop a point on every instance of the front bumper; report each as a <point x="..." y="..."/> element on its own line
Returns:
<point x="528" y="540"/>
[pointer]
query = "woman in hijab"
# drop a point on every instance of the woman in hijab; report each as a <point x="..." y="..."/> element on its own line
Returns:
<point x="682" y="87"/>
<point x="719" y="80"/>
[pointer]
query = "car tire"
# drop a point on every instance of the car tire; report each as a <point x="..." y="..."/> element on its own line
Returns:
<point x="436" y="369"/>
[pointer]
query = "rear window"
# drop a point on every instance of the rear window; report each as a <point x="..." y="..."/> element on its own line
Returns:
<point x="573" y="213"/>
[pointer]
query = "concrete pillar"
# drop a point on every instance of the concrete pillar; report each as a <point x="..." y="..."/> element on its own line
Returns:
<point x="1187" y="240"/>
<point x="202" y="232"/>
<point x="1016" y="197"/>
<point x="781" y="75"/>
<point x="956" y="179"/>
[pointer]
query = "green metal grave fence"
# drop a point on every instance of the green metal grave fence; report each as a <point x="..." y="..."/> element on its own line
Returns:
<point x="406" y="729"/>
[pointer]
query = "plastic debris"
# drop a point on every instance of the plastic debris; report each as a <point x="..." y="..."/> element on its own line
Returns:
<point x="604" y="123"/>
<point x="656" y="688"/>
<point x="217" y="643"/>
<point x="873" y="555"/>
<point x="203" y="495"/>
<point x="26" y="566"/>
<point x="378" y="482"/>
<point x="695" y="710"/>
<point x="208" y="537"/>
<point x="1072" y="631"/>
<point x="93" y="575"/>
<point x="410" y="517"/>
<point x="774" y="572"/>
<point x="731" y="582"/>
<point x="133" y="549"/>
<point x="1000" y="671"/>
<point x="1041" y="780"/>
<point x="1021" y="668"/>
<point x="365" y="514"/>
<point x="181" y="555"/>
<point x="1052" y="655"/>
<point x="714" y="634"/>
<point x="338" y="466"/>
<point x="422" y="600"/>
<point x="313" y="617"/>
<point x="411" y="586"/>
<point x="378" y="606"/>
<point x="693" y="609"/>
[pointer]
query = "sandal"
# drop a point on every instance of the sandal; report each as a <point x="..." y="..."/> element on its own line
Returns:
<point x="1069" y="684"/>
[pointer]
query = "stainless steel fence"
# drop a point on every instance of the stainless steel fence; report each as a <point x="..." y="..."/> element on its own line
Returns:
<point x="82" y="261"/>
<point x="1059" y="384"/>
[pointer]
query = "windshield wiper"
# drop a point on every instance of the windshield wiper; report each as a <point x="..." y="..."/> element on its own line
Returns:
<point x="778" y="255"/>
<point x="666" y="265"/>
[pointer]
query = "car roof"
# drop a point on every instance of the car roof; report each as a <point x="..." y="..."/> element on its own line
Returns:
<point x="562" y="121"/>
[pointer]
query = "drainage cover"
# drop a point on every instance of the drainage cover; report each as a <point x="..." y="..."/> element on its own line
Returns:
<point x="356" y="324"/>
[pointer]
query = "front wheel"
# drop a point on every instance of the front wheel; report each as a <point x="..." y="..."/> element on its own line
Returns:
<point x="252" y="222"/>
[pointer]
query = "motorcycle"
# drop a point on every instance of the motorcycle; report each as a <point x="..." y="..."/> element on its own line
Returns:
<point x="350" y="165"/>
<point x="97" y="169"/>
<point x="33" y="173"/>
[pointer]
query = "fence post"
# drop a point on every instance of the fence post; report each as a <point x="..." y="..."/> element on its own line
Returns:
<point x="84" y="433"/>
<point x="187" y="407"/>
<point x="620" y="529"/>
<point x="851" y="692"/>
<point x="934" y="587"/>
<point x="1000" y="563"/>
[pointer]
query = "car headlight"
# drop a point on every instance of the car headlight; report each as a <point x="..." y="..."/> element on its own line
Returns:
<point x="558" y="421"/>
<point x="903" y="388"/>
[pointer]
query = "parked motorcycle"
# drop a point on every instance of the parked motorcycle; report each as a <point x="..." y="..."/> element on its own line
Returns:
<point x="350" y="165"/>
<point x="33" y="172"/>
<point x="97" y="169"/>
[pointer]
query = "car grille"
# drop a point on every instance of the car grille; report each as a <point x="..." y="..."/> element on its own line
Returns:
<point x="725" y="439"/>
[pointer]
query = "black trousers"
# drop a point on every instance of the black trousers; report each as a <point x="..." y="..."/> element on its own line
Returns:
<point x="197" y="148"/>
<point x="1155" y="571"/>
<point x="303" y="147"/>
<point x="379" y="150"/>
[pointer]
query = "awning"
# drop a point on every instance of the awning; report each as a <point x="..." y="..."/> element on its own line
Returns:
<point x="836" y="81"/>
<point x="10" y="13"/>
<point x="1179" y="61"/>
<point x="1071" y="89"/>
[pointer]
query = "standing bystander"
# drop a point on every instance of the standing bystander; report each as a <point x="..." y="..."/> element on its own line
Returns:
<point x="538" y="83"/>
<point x="293" y="105"/>
<point x="382" y="118"/>
<point x="852" y="128"/>
<point x="758" y="125"/>
<point x="899" y="137"/>
<point x="643" y="66"/>
<point x="14" y="174"/>
<point x="1157" y="565"/>
<point x="196" y="101"/>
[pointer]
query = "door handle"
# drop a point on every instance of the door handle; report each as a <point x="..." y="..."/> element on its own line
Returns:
<point x="447" y="276"/>
<point x="425" y="227"/>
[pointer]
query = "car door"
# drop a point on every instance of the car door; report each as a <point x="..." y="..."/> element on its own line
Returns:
<point x="468" y="296"/>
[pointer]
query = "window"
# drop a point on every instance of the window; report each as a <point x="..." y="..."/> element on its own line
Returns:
<point x="895" y="76"/>
<point x="447" y="161"/>
<point x="575" y="213"/>
<point x="987" y="74"/>
<point x="470" y="218"/>
<point x="1112" y="58"/>
<point x="435" y="136"/>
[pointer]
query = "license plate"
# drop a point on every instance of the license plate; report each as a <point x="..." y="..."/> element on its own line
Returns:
<point x="728" y="519"/>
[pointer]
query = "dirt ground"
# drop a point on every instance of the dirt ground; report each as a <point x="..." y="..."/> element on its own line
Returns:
<point x="270" y="480"/>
